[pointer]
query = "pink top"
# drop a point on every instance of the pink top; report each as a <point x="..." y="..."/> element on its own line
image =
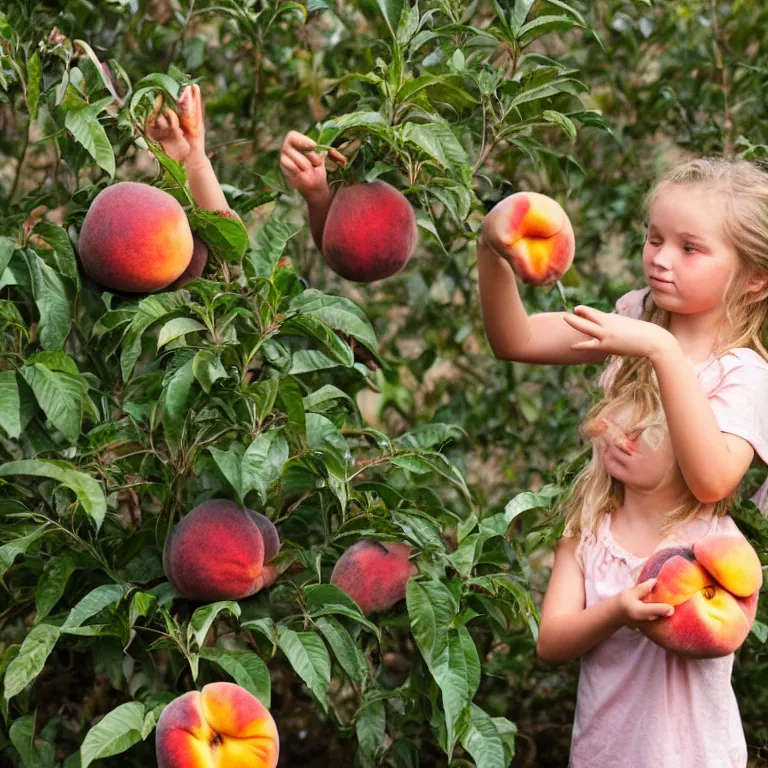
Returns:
<point x="736" y="384"/>
<point x="639" y="706"/>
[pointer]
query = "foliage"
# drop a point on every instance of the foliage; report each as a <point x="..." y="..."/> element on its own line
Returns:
<point x="339" y="411"/>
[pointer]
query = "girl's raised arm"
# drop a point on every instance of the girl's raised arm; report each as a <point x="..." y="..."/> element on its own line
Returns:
<point x="513" y="335"/>
<point x="568" y="629"/>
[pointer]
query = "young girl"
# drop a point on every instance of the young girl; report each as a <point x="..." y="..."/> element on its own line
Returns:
<point x="638" y="706"/>
<point x="685" y="408"/>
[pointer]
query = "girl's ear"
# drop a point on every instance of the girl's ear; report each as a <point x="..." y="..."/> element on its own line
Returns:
<point x="757" y="287"/>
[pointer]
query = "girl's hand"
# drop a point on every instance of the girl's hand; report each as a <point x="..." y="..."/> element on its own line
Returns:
<point x="634" y="611"/>
<point x="615" y="334"/>
<point x="303" y="168"/>
<point x="181" y="135"/>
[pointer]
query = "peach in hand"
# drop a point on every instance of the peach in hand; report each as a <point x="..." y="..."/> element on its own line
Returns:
<point x="135" y="238"/>
<point x="374" y="574"/>
<point x="713" y="586"/>
<point x="222" y="726"/>
<point x="221" y="552"/>
<point x="534" y="233"/>
<point x="370" y="232"/>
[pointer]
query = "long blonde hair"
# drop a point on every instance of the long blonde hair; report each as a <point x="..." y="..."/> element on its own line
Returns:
<point x="742" y="189"/>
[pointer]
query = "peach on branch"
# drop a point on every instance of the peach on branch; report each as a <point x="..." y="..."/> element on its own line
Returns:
<point x="370" y="232"/>
<point x="135" y="238"/>
<point x="195" y="267"/>
<point x="221" y="552"/>
<point x="222" y="726"/>
<point x="713" y="586"/>
<point x="374" y="574"/>
<point x="534" y="233"/>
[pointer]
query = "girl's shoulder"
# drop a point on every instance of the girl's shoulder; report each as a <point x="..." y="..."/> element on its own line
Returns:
<point x="745" y="357"/>
<point x="632" y="303"/>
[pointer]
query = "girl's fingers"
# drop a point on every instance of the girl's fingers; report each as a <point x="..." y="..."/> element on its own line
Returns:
<point x="299" y="158"/>
<point x="644" y="588"/>
<point x="585" y="326"/>
<point x="589" y="344"/>
<point x="588" y="312"/>
<point x="337" y="156"/>
<point x="288" y="165"/>
<point x="299" y="140"/>
<point x="314" y="158"/>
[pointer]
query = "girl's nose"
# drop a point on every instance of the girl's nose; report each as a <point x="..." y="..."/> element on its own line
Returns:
<point x="662" y="259"/>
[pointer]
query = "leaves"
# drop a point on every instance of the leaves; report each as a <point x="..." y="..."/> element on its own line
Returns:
<point x="116" y="732"/>
<point x="29" y="662"/>
<point x="88" y="491"/>
<point x="245" y="667"/>
<point x="82" y="121"/>
<point x="308" y="656"/>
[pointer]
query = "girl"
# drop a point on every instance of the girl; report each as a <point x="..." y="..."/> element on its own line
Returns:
<point x="694" y="333"/>
<point x="638" y="706"/>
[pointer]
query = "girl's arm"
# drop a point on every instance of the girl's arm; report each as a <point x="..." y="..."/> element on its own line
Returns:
<point x="304" y="169"/>
<point x="512" y="334"/>
<point x="713" y="463"/>
<point x="568" y="629"/>
<point x="182" y="137"/>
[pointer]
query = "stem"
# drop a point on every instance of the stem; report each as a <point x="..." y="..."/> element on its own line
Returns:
<point x="727" y="122"/>
<point x="562" y="295"/>
<point x="20" y="165"/>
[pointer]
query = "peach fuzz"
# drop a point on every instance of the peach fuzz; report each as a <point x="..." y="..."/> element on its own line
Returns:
<point x="194" y="268"/>
<point x="370" y="232"/>
<point x="220" y="552"/>
<point x="222" y="726"/>
<point x="710" y="618"/>
<point x="135" y="238"/>
<point x="374" y="574"/>
<point x="534" y="233"/>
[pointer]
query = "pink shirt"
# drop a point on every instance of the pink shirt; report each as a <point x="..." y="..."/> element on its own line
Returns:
<point x="736" y="384"/>
<point x="639" y="706"/>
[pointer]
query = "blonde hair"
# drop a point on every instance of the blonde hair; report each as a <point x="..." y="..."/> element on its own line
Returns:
<point x="742" y="189"/>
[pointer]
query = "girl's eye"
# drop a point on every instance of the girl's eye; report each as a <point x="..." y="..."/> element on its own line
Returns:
<point x="690" y="248"/>
<point x="654" y="242"/>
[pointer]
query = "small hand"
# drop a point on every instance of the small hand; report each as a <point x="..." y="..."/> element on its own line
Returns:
<point x="615" y="334"/>
<point x="635" y="611"/>
<point x="181" y="135"/>
<point x="303" y="168"/>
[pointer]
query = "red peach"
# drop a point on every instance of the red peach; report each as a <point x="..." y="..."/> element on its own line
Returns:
<point x="534" y="233"/>
<point x="135" y="238"/>
<point x="370" y="232"/>
<point x="374" y="574"/>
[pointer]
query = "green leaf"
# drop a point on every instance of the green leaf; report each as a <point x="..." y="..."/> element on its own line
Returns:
<point x="30" y="660"/>
<point x="224" y="235"/>
<point x="52" y="583"/>
<point x="177" y="327"/>
<point x="483" y="741"/>
<point x="230" y="463"/>
<point x="349" y="656"/>
<point x="82" y="122"/>
<point x="207" y="368"/>
<point x="10" y="404"/>
<point x="94" y="602"/>
<point x="34" y="81"/>
<point x="543" y="25"/>
<point x="263" y="463"/>
<point x="409" y="23"/>
<point x="437" y="141"/>
<point x="61" y="396"/>
<point x="116" y="732"/>
<point x="270" y="243"/>
<point x="371" y="730"/>
<point x="88" y="491"/>
<point x="22" y="735"/>
<point x="177" y="392"/>
<point x="391" y="10"/>
<point x="559" y="119"/>
<point x="58" y="239"/>
<point x="51" y="299"/>
<point x="247" y="669"/>
<point x="309" y="658"/>
<point x="11" y="550"/>
<point x="528" y="500"/>
<point x="203" y="618"/>
<point x="7" y="247"/>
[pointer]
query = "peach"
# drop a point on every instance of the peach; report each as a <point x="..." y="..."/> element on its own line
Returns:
<point x="220" y="552"/>
<point x="713" y="586"/>
<point x="222" y="726"/>
<point x="374" y="574"/>
<point x="370" y="232"/>
<point x="196" y="265"/>
<point x="135" y="238"/>
<point x="534" y="234"/>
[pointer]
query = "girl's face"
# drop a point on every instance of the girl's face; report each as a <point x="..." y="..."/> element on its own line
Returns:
<point x="686" y="259"/>
<point x="642" y="460"/>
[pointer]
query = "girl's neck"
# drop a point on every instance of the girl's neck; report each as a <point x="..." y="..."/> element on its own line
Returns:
<point x="647" y="509"/>
<point x="696" y="333"/>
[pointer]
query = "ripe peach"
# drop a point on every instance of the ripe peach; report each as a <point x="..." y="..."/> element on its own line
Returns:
<point x="370" y="232"/>
<point x="222" y="726"/>
<point x="219" y="552"/>
<point x="714" y="587"/>
<point x="135" y="238"/>
<point x="534" y="233"/>
<point x="196" y="265"/>
<point x="374" y="574"/>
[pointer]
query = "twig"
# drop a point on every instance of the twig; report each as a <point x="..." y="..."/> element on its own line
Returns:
<point x="727" y="122"/>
